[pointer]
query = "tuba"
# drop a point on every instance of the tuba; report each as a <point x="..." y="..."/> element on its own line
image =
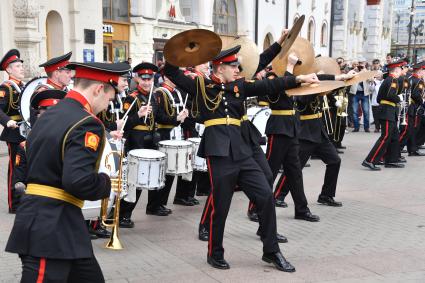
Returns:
<point x="117" y="183"/>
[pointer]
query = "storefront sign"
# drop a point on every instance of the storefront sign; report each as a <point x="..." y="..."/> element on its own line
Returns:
<point x="108" y="30"/>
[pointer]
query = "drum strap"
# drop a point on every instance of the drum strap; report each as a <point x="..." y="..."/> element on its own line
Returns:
<point x="55" y="193"/>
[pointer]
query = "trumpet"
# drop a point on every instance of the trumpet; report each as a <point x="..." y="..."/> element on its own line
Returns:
<point x="403" y="107"/>
<point x="114" y="242"/>
<point x="327" y="115"/>
<point x="341" y="112"/>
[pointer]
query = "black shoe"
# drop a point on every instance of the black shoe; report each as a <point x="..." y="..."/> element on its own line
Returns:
<point x="218" y="263"/>
<point x="416" y="153"/>
<point x="401" y="159"/>
<point x="93" y="236"/>
<point x="281" y="203"/>
<point x="169" y="211"/>
<point x="182" y="201"/>
<point x="280" y="238"/>
<point x="355" y="130"/>
<point x="99" y="230"/>
<point x="126" y="223"/>
<point x="203" y="233"/>
<point x="367" y="130"/>
<point x="201" y="194"/>
<point x="370" y="165"/>
<point x="328" y="201"/>
<point x="308" y="216"/>
<point x="393" y="165"/>
<point x="252" y="215"/>
<point x="279" y="261"/>
<point x="158" y="212"/>
<point x="194" y="200"/>
<point x="421" y="146"/>
<point x="380" y="163"/>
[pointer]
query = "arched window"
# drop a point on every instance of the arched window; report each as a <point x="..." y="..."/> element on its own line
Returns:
<point x="54" y="34"/>
<point x="324" y="35"/>
<point x="268" y="40"/>
<point x="311" y="31"/>
<point x="225" y="17"/>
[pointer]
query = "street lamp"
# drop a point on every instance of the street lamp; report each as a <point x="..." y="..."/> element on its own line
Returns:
<point x="418" y="31"/>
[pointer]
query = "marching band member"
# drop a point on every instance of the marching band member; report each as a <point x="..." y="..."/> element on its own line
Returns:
<point x="408" y="132"/>
<point x="63" y="151"/>
<point x="229" y="157"/>
<point x="387" y="144"/>
<point x="168" y="116"/>
<point x="10" y="93"/>
<point x="58" y="75"/>
<point x="139" y="134"/>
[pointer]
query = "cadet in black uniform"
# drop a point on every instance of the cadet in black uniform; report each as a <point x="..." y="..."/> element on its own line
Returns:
<point x="388" y="143"/>
<point x="229" y="157"/>
<point x="408" y="132"/>
<point x="58" y="75"/>
<point x="167" y="117"/>
<point x="10" y="93"/>
<point x="138" y="133"/>
<point x="63" y="152"/>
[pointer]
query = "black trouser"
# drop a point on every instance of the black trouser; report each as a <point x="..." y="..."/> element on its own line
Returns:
<point x="126" y="208"/>
<point x="375" y="113"/>
<point x="160" y="197"/>
<point x="420" y="136"/>
<point x="225" y="174"/>
<point x="387" y="144"/>
<point x="202" y="181"/>
<point x="284" y="151"/>
<point x="327" y="153"/>
<point x="186" y="189"/>
<point x="408" y="134"/>
<point x="12" y="196"/>
<point x="46" y="270"/>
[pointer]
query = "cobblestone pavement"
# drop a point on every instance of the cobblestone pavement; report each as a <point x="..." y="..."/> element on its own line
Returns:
<point x="377" y="236"/>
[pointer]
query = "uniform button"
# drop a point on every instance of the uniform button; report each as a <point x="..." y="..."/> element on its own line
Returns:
<point x="225" y="103"/>
<point x="224" y="98"/>
<point x="227" y="116"/>
<point x="222" y="87"/>
<point x="226" y="110"/>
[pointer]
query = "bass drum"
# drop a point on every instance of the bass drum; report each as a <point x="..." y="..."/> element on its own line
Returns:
<point x="25" y="100"/>
<point x="91" y="209"/>
<point x="259" y="116"/>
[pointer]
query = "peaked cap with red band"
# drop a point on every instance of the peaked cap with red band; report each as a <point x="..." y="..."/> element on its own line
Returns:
<point x="46" y="98"/>
<point x="145" y="70"/>
<point x="56" y="63"/>
<point x="399" y="63"/>
<point x="102" y="72"/>
<point x="418" y="66"/>
<point x="11" y="56"/>
<point x="227" y="57"/>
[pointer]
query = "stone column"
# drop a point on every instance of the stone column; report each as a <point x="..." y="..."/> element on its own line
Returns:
<point x="27" y="35"/>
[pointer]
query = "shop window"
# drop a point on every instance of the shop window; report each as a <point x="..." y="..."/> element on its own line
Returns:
<point x="225" y="17"/>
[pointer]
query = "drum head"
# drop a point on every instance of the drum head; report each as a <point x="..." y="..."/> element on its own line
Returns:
<point x="175" y="143"/>
<point x="146" y="153"/>
<point x="25" y="100"/>
<point x="113" y="160"/>
<point x="259" y="119"/>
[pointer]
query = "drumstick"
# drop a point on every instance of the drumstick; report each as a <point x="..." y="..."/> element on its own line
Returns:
<point x="185" y="100"/>
<point x="123" y="124"/>
<point x="128" y="111"/>
<point x="149" y="102"/>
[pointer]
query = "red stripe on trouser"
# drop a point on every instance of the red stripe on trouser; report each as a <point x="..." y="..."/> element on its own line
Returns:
<point x="270" y="147"/>
<point x="212" y="207"/>
<point x="405" y="130"/>
<point x="382" y="142"/>
<point x="206" y="210"/>
<point x="41" y="270"/>
<point x="279" y="189"/>
<point x="416" y="121"/>
<point x="9" y="185"/>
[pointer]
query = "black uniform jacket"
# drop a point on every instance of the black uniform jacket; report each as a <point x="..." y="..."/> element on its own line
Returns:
<point x="312" y="130"/>
<point x="417" y="88"/>
<point x="388" y="93"/>
<point x="225" y="100"/>
<point x="63" y="151"/>
<point x="166" y="114"/>
<point x="9" y="109"/>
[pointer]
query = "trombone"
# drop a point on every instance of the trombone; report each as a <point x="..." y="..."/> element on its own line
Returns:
<point x="327" y="115"/>
<point x="341" y="112"/>
<point x="114" y="242"/>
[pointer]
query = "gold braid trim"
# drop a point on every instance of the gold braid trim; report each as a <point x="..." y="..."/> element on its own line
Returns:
<point x="167" y="105"/>
<point x="12" y="103"/>
<point x="214" y="101"/>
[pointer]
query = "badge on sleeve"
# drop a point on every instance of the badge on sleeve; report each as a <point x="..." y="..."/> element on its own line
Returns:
<point x="2" y="93"/>
<point x="394" y="85"/>
<point x="91" y="141"/>
<point x="421" y="86"/>
<point x="17" y="160"/>
<point x="126" y="106"/>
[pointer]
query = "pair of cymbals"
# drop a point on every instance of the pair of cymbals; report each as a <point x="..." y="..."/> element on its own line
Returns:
<point x="248" y="55"/>
<point x="325" y="65"/>
<point x="321" y="87"/>
<point x="192" y="47"/>
<point x="361" y="76"/>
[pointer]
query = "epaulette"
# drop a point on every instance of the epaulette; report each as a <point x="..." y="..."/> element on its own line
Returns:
<point x="22" y="144"/>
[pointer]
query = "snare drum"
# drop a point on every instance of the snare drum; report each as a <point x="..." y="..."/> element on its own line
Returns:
<point x="146" y="169"/>
<point x="198" y="163"/>
<point x="179" y="156"/>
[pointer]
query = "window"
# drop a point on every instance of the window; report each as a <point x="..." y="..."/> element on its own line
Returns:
<point x="311" y="31"/>
<point x="225" y="17"/>
<point x="324" y="35"/>
<point x="116" y="10"/>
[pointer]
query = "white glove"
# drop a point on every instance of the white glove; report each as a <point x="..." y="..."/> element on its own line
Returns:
<point x="12" y="124"/>
<point x="401" y="97"/>
<point x="338" y="103"/>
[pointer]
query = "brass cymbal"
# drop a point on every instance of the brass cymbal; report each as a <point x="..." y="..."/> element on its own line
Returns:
<point x="192" y="47"/>
<point x="248" y="55"/>
<point x="305" y="53"/>
<point x="315" y="88"/>
<point x="292" y="36"/>
<point x="361" y="76"/>
<point x="327" y="65"/>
